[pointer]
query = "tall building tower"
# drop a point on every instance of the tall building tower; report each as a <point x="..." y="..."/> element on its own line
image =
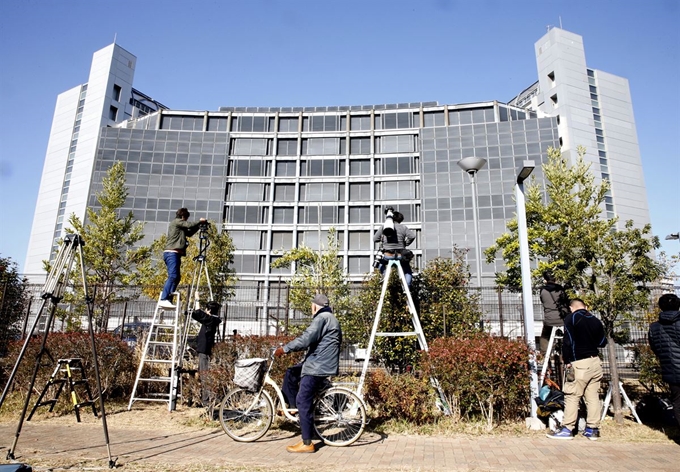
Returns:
<point x="80" y="114"/>
<point x="594" y="109"/>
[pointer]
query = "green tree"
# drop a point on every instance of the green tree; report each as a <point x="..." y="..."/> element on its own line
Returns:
<point x="109" y="251"/>
<point x="13" y="302"/>
<point x="609" y="268"/>
<point x="219" y="255"/>
<point x="318" y="272"/>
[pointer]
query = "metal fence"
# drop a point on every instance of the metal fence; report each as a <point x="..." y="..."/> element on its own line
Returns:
<point x="259" y="310"/>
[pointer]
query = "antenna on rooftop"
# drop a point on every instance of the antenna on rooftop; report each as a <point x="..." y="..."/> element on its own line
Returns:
<point x="560" y="21"/>
<point x="115" y="35"/>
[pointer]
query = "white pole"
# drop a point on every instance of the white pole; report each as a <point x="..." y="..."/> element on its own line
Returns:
<point x="475" y="216"/>
<point x="527" y="297"/>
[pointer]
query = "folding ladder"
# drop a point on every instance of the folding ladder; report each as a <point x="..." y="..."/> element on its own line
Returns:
<point x="555" y="336"/>
<point x="70" y="368"/>
<point x="158" y="373"/>
<point x="417" y="332"/>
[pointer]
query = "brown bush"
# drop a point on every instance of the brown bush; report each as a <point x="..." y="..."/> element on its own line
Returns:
<point x="401" y="396"/>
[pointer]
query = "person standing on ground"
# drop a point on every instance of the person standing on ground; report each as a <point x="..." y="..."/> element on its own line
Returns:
<point x="322" y="340"/>
<point x="583" y="335"/>
<point x="664" y="339"/>
<point x="179" y="230"/>
<point x="395" y="244"/>
<point x="209" y="320"/>
<point x="555" y="308"/>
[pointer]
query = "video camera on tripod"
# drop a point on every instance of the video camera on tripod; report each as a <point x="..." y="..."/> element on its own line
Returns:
<point x="388" y="231"/>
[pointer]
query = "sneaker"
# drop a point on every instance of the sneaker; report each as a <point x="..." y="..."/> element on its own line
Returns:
<point x="564" y="433"/>
<point x="592" y="433"/>
<point x="166" y="304"/>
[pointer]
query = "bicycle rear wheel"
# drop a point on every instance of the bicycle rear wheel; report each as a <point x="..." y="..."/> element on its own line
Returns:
<point x="339" y="417"/>
<point x="246" y="416"/>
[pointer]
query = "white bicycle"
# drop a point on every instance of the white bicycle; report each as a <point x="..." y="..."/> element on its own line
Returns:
<point x="339" y="413"/>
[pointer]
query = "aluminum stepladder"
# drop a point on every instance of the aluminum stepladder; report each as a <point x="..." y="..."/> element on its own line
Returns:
<point x="608" y="399"/>
<point x="53" y="292"/>
<point x="417" y="332"/>
<point x="159" y="365"/>
<point x="69" y="368"/>
<point x="554" y="337"/>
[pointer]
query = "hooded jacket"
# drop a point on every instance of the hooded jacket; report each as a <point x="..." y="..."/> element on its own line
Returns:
<point x="664" y="339"/>
<point x="555" y="304"/>
<point x="402" y="237"/>
<point x="206" y="335"/>
<point x="322" y="340"/>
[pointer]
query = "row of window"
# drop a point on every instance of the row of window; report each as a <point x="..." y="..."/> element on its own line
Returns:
<point x="322" y="192"/>
<point x="323" y="146"/>
<point x="323" y="167"/>
<point x="599" y="137"/>
<point x="325" y="123"/>
<point x="257" y="264"/>
<point x="315" y="214"/>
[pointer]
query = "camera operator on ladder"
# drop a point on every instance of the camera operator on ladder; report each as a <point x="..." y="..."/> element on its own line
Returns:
<point x="393" y="238"/>
<point x="176" y="247"/>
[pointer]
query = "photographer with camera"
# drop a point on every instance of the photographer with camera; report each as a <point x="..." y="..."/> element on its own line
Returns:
<point x="393" y="238"/>
<point x="179" y="230"/>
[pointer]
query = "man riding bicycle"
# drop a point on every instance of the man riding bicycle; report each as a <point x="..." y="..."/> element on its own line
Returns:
<point x="322" y="340"/>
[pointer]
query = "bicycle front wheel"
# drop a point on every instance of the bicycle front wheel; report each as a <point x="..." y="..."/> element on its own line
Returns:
<point x="339" y="417"/>
<point x="246" y="416"/>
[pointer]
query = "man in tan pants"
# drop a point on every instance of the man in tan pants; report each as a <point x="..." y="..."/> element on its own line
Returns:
<point x="583" y="335"/>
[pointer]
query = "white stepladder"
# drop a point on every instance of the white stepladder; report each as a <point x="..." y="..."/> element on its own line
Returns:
<point x="554" y="336"/>
<point x="160" y="353"/>
<point x="417" y="332"/>
<point x="608" y="398"/>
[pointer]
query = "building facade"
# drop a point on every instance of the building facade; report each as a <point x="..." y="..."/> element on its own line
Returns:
<point x="278" y="178"/>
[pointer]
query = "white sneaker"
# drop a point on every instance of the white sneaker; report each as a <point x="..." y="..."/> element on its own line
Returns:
<point x="166" y="304"/>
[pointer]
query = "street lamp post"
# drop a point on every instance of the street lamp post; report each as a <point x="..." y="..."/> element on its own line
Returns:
<point x="527" y="297"/>
<point x="472" y="165"/>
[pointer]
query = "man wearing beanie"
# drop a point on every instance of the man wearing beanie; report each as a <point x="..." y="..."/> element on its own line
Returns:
<point x="322" y="341"/>
<point x="664" y="339"/>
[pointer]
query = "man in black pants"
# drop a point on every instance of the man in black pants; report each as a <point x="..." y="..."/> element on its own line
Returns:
<point x="664" y="339"/>
<point x="322" y="340"/>
<point x="209" y="320"/>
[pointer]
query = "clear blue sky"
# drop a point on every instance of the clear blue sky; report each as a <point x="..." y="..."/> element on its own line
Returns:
<point x="200" y="55"/>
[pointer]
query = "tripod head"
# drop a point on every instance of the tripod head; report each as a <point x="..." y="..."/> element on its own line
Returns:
<point x="203" y="240"/>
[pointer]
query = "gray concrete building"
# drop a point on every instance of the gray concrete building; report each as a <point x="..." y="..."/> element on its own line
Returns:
<point x="277" y="178"/>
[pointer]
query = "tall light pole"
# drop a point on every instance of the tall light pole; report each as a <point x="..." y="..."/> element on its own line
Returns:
<point x="527" y="297"/>
<point x="472" y="165"/>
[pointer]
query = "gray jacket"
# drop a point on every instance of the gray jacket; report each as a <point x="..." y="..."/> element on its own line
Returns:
<point x="402" y="237"/>
<point x="555" y="304"/>
<point x="178" y="232"/>
<point x="322" y="340"/>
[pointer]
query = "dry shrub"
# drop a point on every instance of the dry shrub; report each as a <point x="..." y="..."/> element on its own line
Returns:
<point x="402" y="396"/>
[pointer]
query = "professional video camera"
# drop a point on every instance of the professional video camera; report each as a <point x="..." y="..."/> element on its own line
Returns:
<point x="203" y="226"/>
<point x="388" y="225"/>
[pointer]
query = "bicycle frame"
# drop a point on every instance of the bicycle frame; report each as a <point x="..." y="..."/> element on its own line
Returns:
<point x="288" y="412"/>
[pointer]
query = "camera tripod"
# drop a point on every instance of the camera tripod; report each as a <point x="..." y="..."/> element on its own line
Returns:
<point x="53" y="291"/>
<point x="200" y="271"/>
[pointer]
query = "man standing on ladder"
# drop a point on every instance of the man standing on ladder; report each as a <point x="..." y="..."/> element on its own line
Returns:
<point x="393" y="239"/>
<point x="555" y="308"/>
<point x="178" y="232"/>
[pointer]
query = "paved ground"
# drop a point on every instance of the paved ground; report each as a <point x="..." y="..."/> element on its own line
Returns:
<point x="82" y="446"/>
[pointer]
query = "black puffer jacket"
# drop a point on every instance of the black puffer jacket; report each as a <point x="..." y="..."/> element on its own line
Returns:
<point x="664" y="339"/>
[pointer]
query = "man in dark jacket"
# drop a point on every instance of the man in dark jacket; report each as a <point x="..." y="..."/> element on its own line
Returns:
<point x="209" y="320"/>
<point x="555" y="308"/>
<point x="394" y="245"/>
<point x="175" y="248"/>
<point x="583" y="335"/>
<point x="664" y="339"/>
<point x="322" y="340"/>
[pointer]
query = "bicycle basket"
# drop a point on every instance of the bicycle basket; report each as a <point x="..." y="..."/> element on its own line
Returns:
<point x="249" y="373"/>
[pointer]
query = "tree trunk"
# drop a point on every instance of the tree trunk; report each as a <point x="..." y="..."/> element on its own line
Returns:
<point x="614" y="370"/>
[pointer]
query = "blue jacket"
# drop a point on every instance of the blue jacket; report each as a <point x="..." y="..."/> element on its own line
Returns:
<point x="664" y="339"/>
<point x="322" y="340"/>
<point x="583" y="335"/>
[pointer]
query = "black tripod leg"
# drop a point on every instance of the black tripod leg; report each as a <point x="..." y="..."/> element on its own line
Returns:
<point x="90" y="303"/>
<point x="38" y="359"/>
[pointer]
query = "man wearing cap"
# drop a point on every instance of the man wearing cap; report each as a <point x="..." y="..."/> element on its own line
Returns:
<point x="322" y="341"/>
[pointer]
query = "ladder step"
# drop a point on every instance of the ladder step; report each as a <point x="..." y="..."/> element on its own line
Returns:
<point x="162" y="343"/>
<point x="48" y="402"/>
<point x="84" y="404"/>
<point x="81" y="382"/>
<point x="159" y="361"/>
<point x="405" y="333"/>
<point x="156" y="379"/>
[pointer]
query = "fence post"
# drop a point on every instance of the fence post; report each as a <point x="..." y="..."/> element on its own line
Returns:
<point x="278" y="306"/>
<point x="500" y="310"/>
<point x="122" y="324"/>
<point x="287" y="309"/>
